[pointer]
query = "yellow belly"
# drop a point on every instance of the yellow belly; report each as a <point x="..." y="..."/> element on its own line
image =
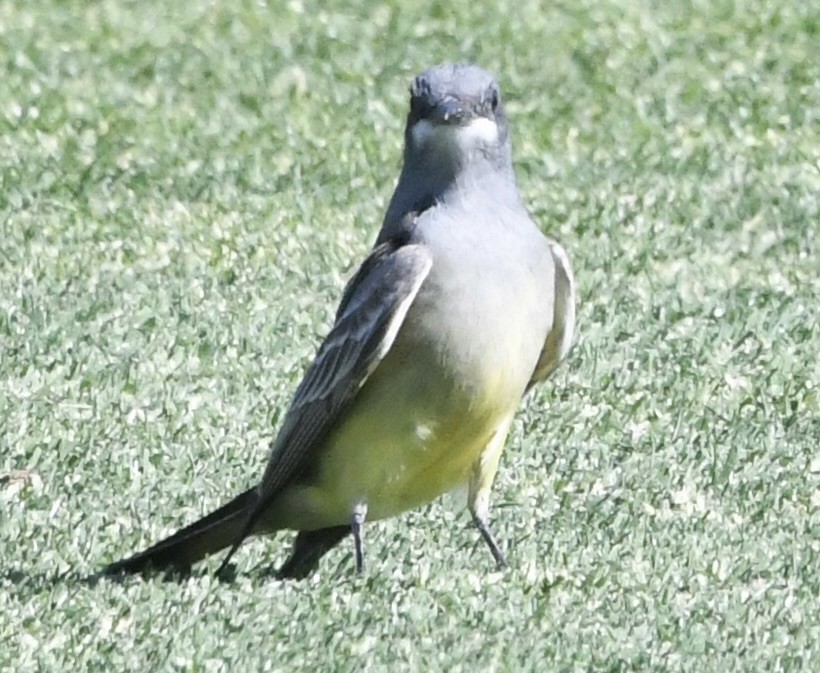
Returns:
<point x="409" y="437"/>
<point x="429" y="410"/>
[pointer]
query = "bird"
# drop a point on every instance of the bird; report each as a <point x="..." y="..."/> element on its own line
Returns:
<point x="462" y="306"/>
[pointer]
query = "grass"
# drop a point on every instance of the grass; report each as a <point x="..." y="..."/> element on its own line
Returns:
<point x="183" y="192"/>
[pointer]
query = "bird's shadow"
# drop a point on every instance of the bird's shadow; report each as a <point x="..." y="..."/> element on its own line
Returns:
<point x="26" y="580"/>
<point x="23" y="579"/>
<point x="166" y="575"/>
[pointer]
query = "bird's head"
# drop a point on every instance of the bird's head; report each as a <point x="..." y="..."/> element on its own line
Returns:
<point x="456" y="118"/>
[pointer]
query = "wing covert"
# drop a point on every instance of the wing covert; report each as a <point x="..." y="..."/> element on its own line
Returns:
<point x="559" y="339"/>
<point x="374" y="305"/>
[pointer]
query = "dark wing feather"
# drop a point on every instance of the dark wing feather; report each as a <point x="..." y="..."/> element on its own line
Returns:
<point x="372" y="310"/>
<point x="373" y="307"/>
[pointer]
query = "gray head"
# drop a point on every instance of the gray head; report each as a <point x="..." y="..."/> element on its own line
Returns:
<point x="456" y="137"/>
<point x="456" y="118"/>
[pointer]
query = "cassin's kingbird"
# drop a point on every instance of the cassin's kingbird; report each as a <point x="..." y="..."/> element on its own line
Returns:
<point x="462" y="306"/>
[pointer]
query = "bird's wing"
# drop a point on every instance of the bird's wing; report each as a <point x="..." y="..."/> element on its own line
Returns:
<point x="374" y="305"/>
<point x="559" y="338"/>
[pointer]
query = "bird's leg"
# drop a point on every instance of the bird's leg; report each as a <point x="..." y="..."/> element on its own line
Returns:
<point x="357" y="528"/>
<point x="481" y="480"/>
<point x="484" y="528"/>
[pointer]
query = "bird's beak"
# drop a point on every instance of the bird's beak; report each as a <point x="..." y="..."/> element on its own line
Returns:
<point x="449" y="111"/>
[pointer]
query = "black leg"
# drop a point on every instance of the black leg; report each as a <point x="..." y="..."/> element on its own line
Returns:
<point x="357" y="527"/>
<point x="489" y="538"/>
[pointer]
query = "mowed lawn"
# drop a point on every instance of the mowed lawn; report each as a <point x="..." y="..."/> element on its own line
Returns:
<point x="185" y="188"/>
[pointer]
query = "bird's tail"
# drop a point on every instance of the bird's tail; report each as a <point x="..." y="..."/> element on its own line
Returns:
<point x="210" y="534"/>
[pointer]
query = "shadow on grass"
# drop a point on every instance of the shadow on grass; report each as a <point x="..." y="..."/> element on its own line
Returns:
<point x="171" y="575"/>
<point x="23" y="579"/>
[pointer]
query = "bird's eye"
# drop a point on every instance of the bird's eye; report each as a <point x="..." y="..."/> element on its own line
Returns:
<point x="416" y="106"/>
<point x="494" y="99"/>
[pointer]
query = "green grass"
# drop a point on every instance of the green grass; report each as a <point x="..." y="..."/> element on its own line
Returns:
<point x="183" y="193"/>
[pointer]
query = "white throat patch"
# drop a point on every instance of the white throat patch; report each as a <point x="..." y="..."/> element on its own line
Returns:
<point x="479" y="131"/>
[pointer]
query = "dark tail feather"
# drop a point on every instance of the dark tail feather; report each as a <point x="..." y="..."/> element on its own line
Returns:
<point x="308" y="548"/>
<point x="210" y="534"/>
